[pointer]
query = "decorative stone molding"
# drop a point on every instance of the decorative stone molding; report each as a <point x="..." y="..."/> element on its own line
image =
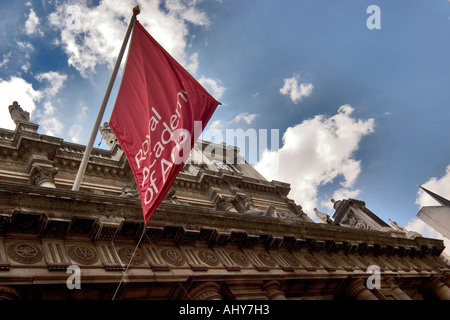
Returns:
<point x="43" y="176"/>
<point x="208" y="257"/>
<point x="173" y="257"/>
<point x="398" y="293"/>
<point x="25" y="253"/>
<point x="126" y="253"/>
<point x="205" y="291"/>
<point x="272" y="288"/>
<point x="8" y="293"/>
<point x="438" y="288"/>
<point x="358" y="291"/>
<point x="83" y="254"/>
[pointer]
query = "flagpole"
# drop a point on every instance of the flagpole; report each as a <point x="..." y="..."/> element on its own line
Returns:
<point x="87" y="153"/>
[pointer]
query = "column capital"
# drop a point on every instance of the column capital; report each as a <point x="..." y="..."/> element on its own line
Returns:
<point x="8" y="293"/>
<point x="358" y="291"/>
<point x="273" y="290"/>
<point x="205" y="291"/>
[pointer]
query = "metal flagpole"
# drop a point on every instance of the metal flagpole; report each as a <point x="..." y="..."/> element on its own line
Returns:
<point x="87" y="153"/>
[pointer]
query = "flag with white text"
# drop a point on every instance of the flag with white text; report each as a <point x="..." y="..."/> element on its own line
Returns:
<point x="159" y="114"/>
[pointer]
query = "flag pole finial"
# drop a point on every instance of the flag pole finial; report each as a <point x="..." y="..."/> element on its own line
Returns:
<point x="136" y="10"/>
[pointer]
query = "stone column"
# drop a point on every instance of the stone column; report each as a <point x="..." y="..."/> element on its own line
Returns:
<point x="397" y="291"/>
<point x="8" y="293"/>
<point x="358" y="291"/>
<point x="438" y="288"/>
<point x="273" y="291"/>
<point x="205" y="291"/>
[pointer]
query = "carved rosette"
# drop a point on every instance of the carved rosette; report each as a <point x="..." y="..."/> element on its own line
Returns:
<point x="172" y="257"/>
<point x="83" y="254"/>
<point x="239" y="258"/>
<point x="125" y="255"/>
<point x="312" y="260"/>
<point x="208" y="257"/>
<point x="290" y="259"/>
<point x="266" y="259"/>
<point x="25" y="253"/>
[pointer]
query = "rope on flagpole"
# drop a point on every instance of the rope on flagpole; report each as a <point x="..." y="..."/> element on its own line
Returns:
<point x="144" y="232"/>
<point x="129" y="262"/>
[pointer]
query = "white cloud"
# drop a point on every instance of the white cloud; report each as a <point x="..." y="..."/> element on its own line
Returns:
<point x="193" y="64"/>
<point x="246" y="117"/>
<point x="320" y="149"/>
<point x="93" y="35"/>
<point x="340" y="194"/>
<point x="37" y="102"/>
<point x="16" y="89"/>
<point x="56" y="82"/>
<point x="5" y="59"/>
<point x="74" y="133"/>
<point x="48" y="120"/>
<point x="217" y="125"/>
<point x="212" y="86"/>
<point x="440" y="186"/>
<point x="32" y="23"/>
<point x="296" y="91"/>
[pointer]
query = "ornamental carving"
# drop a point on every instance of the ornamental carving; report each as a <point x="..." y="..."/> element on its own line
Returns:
<point x="312" y="260"/>
<point x="329" y="259"/>
<point x="353" y="221"/>
<point x="24" y="253"/>
<point x="41" y="174"/>
<point x="239" y="258"/>
<point x="349" y="262"/>
<point x="290" y="259"/>
<point x="208" y="257"/>
<point x="266" y="259"/>
<point x="172" y="257"/>
<point x="125" y="255"/>
<point x="83" y="255"/>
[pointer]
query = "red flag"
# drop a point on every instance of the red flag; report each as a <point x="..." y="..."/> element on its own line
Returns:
<point x="159" y="114"/>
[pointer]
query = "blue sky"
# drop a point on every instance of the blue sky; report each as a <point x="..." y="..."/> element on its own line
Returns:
<point x="360" y="112"/>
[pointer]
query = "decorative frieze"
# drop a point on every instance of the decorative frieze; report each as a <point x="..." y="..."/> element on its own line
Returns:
<point x="83" y="254"/>
<point x="24" y="252"/>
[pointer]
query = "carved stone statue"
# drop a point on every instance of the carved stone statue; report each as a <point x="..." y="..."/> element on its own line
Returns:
<point x="410" y="234"/>
<point x="107" y="134"/>
<point x="323" y="217"/>
<point x="251" y="209"/>
<point x="18" y="114"/>
<point x="129" y="191"/>
<point x="336" y="204"/>
<point x="198" y="158"/>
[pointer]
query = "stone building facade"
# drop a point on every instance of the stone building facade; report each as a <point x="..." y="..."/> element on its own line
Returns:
<point x="222" y="233"/>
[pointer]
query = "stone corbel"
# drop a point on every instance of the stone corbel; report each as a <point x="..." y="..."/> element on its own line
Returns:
<point x="106" y="228"/>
